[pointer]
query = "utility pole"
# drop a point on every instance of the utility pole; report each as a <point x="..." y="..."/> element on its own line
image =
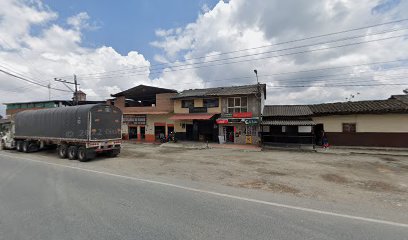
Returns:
<point x="75" y="98"/>
<point x="49" y="90"/>
<point x="259" y="96"/>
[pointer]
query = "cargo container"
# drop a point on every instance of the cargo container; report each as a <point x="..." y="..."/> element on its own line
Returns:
<point x="79" y="132"/>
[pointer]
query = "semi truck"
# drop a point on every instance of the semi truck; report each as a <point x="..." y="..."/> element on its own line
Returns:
<point x="78" y="132"/>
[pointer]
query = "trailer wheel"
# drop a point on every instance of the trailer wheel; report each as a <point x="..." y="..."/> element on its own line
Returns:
<point x="26" y="147"/>
<point x="19" y="146"/>
<point x="113" y="153"/>
<point x="63" y="151"/>
<point x="83" y="155"/>
<point x="72" y="152"/>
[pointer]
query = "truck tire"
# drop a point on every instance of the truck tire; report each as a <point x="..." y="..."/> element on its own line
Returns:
<point x="72" y="152"/>
<point x="63" y="151"/>
<point x="85" y="155"/>
<point x="113" y="153"/>
<point x="33" y="147"/>
<point x="26" y="147"/>
<point x="19" y="146"/>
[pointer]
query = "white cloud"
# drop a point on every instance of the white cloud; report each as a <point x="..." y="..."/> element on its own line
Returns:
<point x="56" y="51"/>
<point x="241" y="24"/>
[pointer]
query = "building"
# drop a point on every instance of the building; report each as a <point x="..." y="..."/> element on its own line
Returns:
<point x="15" y="107"/>
<point x="225" y="114"/>
<point x="79" y="96"/>
<point x="287" y="125"/>
<point x="146" y="112"/>
<point x="374" y="123"/>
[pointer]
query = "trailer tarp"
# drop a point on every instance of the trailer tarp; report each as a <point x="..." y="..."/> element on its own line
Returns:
<point x="84" y="122"/>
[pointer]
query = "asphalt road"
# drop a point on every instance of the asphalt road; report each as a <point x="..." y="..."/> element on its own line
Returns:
<point x="43" y="201"/>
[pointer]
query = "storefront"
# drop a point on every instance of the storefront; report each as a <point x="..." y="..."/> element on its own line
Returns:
<point x="238" y="128"/>
<point x="133" y="126"/>
<point x="196" y="127"/>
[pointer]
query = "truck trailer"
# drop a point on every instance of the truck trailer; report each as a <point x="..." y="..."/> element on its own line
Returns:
<point x="79" y="132"/>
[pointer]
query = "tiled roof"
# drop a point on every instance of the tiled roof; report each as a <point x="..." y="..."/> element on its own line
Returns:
<point x="221" y="91"/>
<point x="402" y="98"/>
<point x="286" y="110"/>
<point x="391" y="105"/>
<point x="288" y="122"/>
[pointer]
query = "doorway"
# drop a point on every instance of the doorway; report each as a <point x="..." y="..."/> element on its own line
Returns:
<point x="229" y="134"/>
<point x="170" y="129"/>
<point x="142" y="133"/>
<point x="318" y="134"/>
<point x="159" y="132"/>
<point x="189" y="132"/>
<point x="132" y="133"/>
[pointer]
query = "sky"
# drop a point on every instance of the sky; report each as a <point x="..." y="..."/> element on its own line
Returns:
<point x="182" y="44"/>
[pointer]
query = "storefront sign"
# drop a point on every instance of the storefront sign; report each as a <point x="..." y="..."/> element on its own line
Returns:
<point x="242" y="115"/>
<point x="252" y="121"/>
<point x="134" y="119"/>
<point x="235" y="120"/>
<point x="222" y="121"/>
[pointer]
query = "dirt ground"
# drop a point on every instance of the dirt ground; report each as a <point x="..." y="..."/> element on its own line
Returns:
<point x="377" y="180"/>
<point x="332" y="177"/>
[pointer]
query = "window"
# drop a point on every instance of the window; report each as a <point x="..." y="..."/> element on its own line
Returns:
<point x="349" y="127"/>
<point x="211" y="102"/>
<point x="237" y="104"/>
<point x="187" y="103"/>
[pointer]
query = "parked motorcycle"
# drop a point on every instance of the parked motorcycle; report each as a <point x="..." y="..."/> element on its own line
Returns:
<point x="170" y="138"/>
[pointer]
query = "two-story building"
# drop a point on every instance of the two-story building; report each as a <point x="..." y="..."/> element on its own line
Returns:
<point x="225" y="114"/>
<point x="146" y="112"/>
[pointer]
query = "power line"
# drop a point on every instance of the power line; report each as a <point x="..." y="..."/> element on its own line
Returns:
<point x="254" y="59"/>
<point x="342" y="85"/>
<point x="30" y="81"/>
<point x="270" y="45"/>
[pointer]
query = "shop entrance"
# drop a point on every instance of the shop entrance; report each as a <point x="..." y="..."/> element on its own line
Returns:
<point x="132" y="133"/>
<point x="159" y="132"/>
<point x="229" y="134"/>
<point x="170" y="129"/>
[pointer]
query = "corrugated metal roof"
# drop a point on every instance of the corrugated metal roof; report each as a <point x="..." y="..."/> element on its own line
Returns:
<point x="288" y="122"/>
<point x="286" y="110"/>
<point x="391" y="105"/>
<point x="221" y="91"/>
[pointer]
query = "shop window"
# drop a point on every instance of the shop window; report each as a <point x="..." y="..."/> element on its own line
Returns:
<point x="349" y="127"/>
<point x="211" y="102"/>
<point x="187" y="103"/>
<point x="237" y="104"/>
<point x="251" y="131"/>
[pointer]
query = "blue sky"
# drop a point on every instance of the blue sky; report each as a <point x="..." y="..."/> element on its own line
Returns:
<point x="129" y="24"/>
<point x="44" y="39"/>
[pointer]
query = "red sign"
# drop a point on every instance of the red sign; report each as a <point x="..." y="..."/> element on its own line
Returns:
<point x="222" y="121"/>
<point x="242" y="115"/>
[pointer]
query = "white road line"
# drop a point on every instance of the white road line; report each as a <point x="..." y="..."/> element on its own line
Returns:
<point x="311" y="210"/>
